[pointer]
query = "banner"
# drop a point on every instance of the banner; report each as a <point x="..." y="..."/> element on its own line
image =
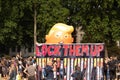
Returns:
<point x="70" y="61"/>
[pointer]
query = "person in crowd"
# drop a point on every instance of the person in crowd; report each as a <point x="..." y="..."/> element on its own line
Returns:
<point x="118" y="71"/>
<point x="20" y="65"/>
<point x="112" y="68"/>
<point x="61" y="70"/>
<point x="24" y="61"/>
<point x="4" y="70"/>
<point x="105" y="67"/>
<point x="30" y="71"/>
<point x="77" y="75"/>
<point x="0" y="70"/>
<point x="101" y="69"/>
<point x="106" y="72"/>
<point x="93" y="73"/>
<point x="19" y="75"/>
<point x="12" y="72"/>
<point x="49" y="69"/>
<point x="58" y="68"/>
<point x="84" y="71"/>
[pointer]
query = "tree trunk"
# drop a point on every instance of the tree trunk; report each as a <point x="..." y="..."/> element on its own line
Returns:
<point x="35" y="26"/>
<point x="79" y="34"/>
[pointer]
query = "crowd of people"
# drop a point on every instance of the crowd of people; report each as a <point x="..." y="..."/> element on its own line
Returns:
<point x="112" y="68"/>
<point x="19" y="68"/>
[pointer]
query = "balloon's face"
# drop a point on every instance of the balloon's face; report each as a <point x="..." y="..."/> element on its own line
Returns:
<point x="58" y="35"/>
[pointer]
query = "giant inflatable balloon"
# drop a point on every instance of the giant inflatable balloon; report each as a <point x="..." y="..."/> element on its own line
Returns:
<point x="60" y="33"/>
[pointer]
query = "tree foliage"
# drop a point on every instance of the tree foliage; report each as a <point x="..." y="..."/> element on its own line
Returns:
<point x="14" y="27"/>
<point x="100" y="19"/>
<point x="49" y="13"/>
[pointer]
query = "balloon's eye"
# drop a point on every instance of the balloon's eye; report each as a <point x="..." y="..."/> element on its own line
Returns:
<point x="57" y="35"/>
<point x="65" y="36"/>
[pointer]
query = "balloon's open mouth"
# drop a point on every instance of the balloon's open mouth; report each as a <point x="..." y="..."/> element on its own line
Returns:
<point x="61" y="42"/>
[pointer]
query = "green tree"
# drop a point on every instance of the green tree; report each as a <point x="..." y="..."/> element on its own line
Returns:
<point x="49" y="13"/>
<point x="99" y="19"/>
<point x="17" y="19"/>
<point x="15" y="22"/>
